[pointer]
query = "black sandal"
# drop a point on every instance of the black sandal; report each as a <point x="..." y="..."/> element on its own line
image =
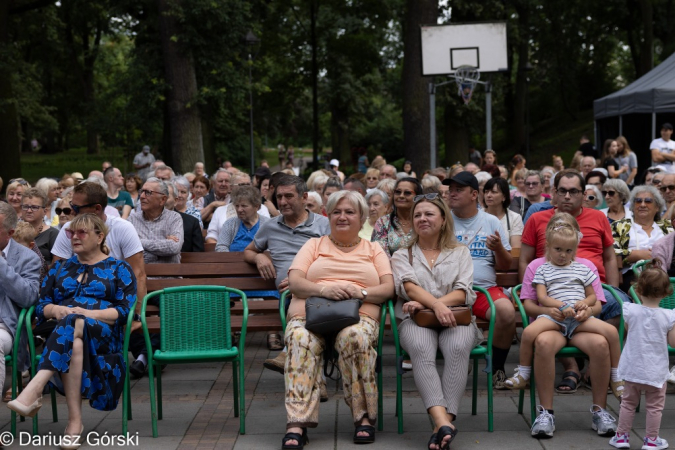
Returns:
<point x="302" y="439"/>
<point x="433" y="440"/>
<point x="442" y="433"/>
<point x="364" y="439"/>
<point x="570" y="380"/>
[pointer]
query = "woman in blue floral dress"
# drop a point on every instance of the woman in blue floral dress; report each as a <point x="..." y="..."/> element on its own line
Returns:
<point x="90" y="296"/>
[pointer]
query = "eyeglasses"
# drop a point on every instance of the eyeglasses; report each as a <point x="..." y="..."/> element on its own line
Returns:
<point x="148" y="192"/>
<point x="81" y="233"/>
<point x="573" y="192"/>
<point x="670" y="187"/>
<point x="66" y="211"/>
<point x="591" y="198"/>
<point x="532" y="184"/>
<point x="242" y="184"/>
<point x="431" y="196"/>
<point x="611" y="193"/>
<point x="372" y="178"/>
<point x="21" y="181"/>
<point x="31" y="207"/>
<point x="647" y="200"/>
<point x="403" y="193"/>
<point x="77" y="208"/>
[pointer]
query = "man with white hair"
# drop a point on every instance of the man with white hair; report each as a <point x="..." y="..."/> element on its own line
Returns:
<point x="228" y="211"/>
<point x="143" y="161"/>
<point x="199" y="170"/>
<point x="388" y="171"/>
<point x="587" y="165"/>
<point x="164" y="172"/>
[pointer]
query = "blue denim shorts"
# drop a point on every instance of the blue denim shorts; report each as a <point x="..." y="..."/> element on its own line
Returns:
<point x="567" y="326"/>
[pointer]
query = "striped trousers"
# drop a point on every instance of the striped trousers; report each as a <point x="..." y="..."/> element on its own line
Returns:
<point x="455" y="344"/>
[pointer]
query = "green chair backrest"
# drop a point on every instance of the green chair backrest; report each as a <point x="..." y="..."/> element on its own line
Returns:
<point x="195" y="318"/>
<point x="666" y="302"/>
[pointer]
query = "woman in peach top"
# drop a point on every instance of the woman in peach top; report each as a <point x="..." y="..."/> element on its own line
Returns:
<point x="339" y="266"/>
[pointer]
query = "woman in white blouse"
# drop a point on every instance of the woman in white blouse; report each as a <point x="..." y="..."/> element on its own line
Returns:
<point x="496" y="200"/>
<point x="635" y="236"/>
<point x="436" y="272"/>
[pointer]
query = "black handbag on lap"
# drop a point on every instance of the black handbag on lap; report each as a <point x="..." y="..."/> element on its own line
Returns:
<point x="327" y="317"/>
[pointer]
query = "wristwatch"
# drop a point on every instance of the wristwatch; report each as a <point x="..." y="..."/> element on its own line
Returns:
<point x="364" y="293"/>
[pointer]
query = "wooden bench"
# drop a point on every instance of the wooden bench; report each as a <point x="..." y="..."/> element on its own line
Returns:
<point x="506" y="279"/>
<point x="219" y="269"/>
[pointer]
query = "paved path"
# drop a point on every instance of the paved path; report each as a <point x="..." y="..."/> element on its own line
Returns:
<point x="198" y="414"/>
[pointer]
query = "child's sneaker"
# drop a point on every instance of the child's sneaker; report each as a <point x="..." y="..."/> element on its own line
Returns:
<point x="654" y="444"/>
<point x="620" y="440"/>
<point x="516" y="381"/>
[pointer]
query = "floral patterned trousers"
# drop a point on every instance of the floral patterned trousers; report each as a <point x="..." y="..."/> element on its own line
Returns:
<point x="357" y="361"/>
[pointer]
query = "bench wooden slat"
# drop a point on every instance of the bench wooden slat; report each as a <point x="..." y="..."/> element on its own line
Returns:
<point x="202" y="270"/>
<point x="241" y="283"/>
<point x="507" y="279"/>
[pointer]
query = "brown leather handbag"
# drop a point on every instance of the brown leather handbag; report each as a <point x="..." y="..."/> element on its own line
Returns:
<point x="427" y="317"/>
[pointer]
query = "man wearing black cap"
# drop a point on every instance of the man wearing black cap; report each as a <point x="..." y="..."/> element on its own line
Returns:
<point x="490" y="251"/>
<point x="663" y="149"/>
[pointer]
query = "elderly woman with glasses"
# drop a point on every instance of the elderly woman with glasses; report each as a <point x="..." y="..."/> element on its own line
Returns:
<point x="635" y="236"/>
<point x="394" y="230"/>
<point x="182" y="193"/>
<point x="434" y="271"/>
<point x="616" y="193"/>
<point x="33" y="204"/>
<point x="89" y="296"/>
<point x="592" y="196"/>
<point x="339" y="266"/>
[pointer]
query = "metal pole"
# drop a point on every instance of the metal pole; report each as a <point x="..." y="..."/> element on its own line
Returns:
<point x="488" y="114"/>
<point x="620" y="126"/>
<point x="653" y="126"/>
<point x="315" y="89"/>
<point x="250" y="98"/>
<point x="432" y="125"/>
<point x="527" y="118"/>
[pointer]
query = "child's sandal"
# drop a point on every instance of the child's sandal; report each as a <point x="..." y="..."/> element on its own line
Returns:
<point x="617" y="388"/>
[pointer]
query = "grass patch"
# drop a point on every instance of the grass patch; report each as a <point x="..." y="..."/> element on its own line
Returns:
<point x="37" y="165"/>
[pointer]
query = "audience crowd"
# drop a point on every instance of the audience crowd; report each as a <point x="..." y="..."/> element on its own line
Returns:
<point x="425" y="237"/>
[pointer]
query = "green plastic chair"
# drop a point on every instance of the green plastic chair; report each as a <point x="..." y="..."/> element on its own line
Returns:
<point x="378" y="364"/>
<point x="480" y="351"/>
<point x="11" y="360"/>
<point x="665" y="303"/>
<point x="34" y="360"/>
<point x="195" y="327"/>
<point x="639" y="266"/>
<point x="564" y="352"/>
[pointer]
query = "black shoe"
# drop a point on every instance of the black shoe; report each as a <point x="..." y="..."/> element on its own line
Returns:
<point x="137" y="369"/>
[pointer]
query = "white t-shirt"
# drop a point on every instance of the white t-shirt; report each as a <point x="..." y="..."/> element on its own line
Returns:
<point x="644" y="358"/>
<point x="473" y="232"/>
<point x="514" y="226"/>
<point x="122" y="240"/>
<point x="566" y="284"/>
<point x="222" y="213"/>
<point x="664" y="147"/>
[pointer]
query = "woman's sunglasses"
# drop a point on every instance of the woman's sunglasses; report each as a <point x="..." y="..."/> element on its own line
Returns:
<point x="591" y="198"/>
<point x="431" y="196"/>
<point x="66" y="211"/>
<point x="81" y="233"/>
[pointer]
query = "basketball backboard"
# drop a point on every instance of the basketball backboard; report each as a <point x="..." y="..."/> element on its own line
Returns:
<point x="447" y="47"/>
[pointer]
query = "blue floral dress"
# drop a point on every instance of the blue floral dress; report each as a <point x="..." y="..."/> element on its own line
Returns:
<point x="107" y="284"/>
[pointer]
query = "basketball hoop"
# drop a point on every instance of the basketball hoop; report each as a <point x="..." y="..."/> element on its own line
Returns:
<point x="466" y="78"/>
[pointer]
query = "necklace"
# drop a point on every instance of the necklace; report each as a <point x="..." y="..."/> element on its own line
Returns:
<point x="353" y="244"/>
<point x="435" y="249"/>
<point x="427" y="249"/>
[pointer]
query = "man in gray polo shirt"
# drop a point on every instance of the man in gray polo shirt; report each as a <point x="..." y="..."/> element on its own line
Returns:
<point x="283" y="236"/>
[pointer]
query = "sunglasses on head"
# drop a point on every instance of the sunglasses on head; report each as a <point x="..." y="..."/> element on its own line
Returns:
<point x="21" y="181"/>
<point x="431" y="196"/>
<point x="66" y="211"/>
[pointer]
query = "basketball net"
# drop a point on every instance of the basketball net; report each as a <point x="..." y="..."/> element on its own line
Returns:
<point x="466" y="78"/>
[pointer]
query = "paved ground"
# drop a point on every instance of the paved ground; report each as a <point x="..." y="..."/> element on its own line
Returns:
<point x="198" y="414"/>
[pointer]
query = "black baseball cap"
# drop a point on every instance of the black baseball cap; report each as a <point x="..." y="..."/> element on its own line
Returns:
<point x="464" y="178"/>
<point x="667" y="126"/>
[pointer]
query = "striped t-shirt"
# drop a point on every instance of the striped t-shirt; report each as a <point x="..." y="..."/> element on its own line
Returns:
<point x="566" y="284"/>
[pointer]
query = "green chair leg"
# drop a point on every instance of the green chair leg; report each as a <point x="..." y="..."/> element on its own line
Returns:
<point x="153" y="405"/>
<point x="488" y="372"/>
<point x="533" y="399"/>
<point x="158" y="375"/>
<point x="521" y="399"/>
<point x="14" y="383"/>
<point x="126" y="403"/>
<point x="474" y="388"/>
<point x="235" y="388"/>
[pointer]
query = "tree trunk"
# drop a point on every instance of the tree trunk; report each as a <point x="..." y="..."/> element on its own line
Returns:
<point x="456" y="135"/>
<point x="416" y="87"/>
<point x="179" y="69"/>
<point x="208" y="137"/>
<point x="339" y="136"/>
<point x="10" y="127"/>
<point x="647" y="45"/>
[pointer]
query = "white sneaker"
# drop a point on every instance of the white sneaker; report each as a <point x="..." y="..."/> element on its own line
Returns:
<point x="544" y="424"/>
<point x="654" y="444"/>
<point x="620" y="440"/>
<point x="671" y="376"/>
<point x="603" y="422"/>
<point x="406" y="364"/>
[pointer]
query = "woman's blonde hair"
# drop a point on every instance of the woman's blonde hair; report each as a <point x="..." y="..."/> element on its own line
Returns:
<point x="446" y="238"/>
<point x="93" y="223"/>
<point x="353" y="197"/>
<point x="562" y="226"/>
